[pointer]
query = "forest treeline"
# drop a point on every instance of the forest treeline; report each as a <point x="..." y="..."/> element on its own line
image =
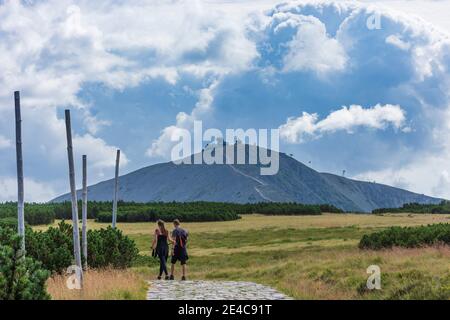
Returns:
<point x="443" y="207"/>
<point x="46" y="213"/>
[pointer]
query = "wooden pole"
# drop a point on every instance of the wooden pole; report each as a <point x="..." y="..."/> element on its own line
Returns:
<point x="84" y="212"/>
<point x="73" y="191"/>
<point x="20" y="192"/>
<point x="116" y="191"/>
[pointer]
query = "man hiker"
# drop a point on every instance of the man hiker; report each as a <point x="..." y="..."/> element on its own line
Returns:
<point x="179" y="240"/>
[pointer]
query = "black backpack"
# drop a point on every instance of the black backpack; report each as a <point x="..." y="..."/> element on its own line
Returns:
<point x="181" y="238"/>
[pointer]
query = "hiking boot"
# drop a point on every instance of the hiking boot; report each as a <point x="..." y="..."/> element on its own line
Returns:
<point x="171" y="277"/>
<point x="183" y="278"/>
<point x="159" y="277"/>
<point x="166" y="278"/>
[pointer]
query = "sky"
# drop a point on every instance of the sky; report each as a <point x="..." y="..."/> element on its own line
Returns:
<point x="360" y="86"/>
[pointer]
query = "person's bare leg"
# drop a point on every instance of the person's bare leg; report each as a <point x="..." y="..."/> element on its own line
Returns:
<point x="183" y="267"/>
<point x="172" y="269"/>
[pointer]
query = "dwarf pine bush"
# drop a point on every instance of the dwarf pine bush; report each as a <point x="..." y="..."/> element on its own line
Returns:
<point x="21" y="278"/>
<point x="408" y="237"/>
<point x="53" y="248"/>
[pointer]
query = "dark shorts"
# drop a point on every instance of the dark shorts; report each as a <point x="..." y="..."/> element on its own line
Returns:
<point x="179" y="254"/>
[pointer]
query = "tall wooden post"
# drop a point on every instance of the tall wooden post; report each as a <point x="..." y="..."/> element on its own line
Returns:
<point x="116" y="191"/>
<point x="73" y="191"/>
<point x="20" y="193"/>
<point x="84" y="213"/>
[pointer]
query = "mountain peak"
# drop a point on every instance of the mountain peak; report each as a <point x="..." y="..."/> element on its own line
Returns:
<point x="243" y="183"/>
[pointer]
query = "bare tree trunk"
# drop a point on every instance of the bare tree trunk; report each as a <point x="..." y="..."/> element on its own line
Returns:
<point x="84" y="212"/>
<point x="73" y="191"/>
<point x="20" y="193"/>
<point x="116" y="190"/>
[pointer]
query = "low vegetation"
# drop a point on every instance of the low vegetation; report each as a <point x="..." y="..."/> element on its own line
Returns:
<point x="51" y="252"/>
<point x="53" y="248"/>
<point x="408" y="237"/>
<point x="441" y="208"/>
<point x="110" y="248"/>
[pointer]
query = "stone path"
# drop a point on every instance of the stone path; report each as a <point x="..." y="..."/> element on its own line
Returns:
<point x="211" y="290"/>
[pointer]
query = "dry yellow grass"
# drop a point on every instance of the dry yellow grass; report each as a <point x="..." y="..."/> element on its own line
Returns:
<point x="330" y="273"/>
<point x="342" y="269"/>
<point x="256" y="221"/>
<point x="333" y="243"/>
<point x="100" y="285"/>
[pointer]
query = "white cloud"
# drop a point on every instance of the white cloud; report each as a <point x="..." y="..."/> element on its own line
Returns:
<point x="436" y="12"/>
<point x="396" y="40"/>
<point x="44" y="146"/>
<point x="162" y="146"/>
<point x="4" y="142"/>
<point x="296" y="130"/>
<point x="33" y="191"/>
<point x="312" y="48"/>
<point x="100" y="154"/>
<point x="50" y="49"/>
<point x="377" y="117"/>
<point x="92" y="123"/>
<point x="425" y="172"/>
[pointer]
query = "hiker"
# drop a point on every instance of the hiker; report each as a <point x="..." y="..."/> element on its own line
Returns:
<point x="161" y="248"/>
<point x="179" y="239"/>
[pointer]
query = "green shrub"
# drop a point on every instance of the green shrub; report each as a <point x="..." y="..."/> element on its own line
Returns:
<point x="21" y="278"/>
<point x="9" y="222"/>
<point x="53" y="247"/>
<point x="109" y="247"/>
<point x="408" y="237"/>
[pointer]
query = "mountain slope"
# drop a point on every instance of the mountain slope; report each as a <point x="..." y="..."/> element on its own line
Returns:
<point x="294" y="182"/>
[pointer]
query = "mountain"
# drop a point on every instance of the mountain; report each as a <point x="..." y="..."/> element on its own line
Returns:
<point x="294" y="182"/>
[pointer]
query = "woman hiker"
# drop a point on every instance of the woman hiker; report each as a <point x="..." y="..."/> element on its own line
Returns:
<point x="161" y="248"/>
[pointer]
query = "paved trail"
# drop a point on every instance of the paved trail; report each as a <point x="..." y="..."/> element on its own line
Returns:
<point x="211" y="290"/>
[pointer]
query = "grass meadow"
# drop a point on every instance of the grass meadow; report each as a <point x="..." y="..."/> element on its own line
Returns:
<point x="306" y="257"/>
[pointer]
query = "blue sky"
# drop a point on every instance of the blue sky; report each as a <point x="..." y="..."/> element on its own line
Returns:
<point x="371" y="101"/>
